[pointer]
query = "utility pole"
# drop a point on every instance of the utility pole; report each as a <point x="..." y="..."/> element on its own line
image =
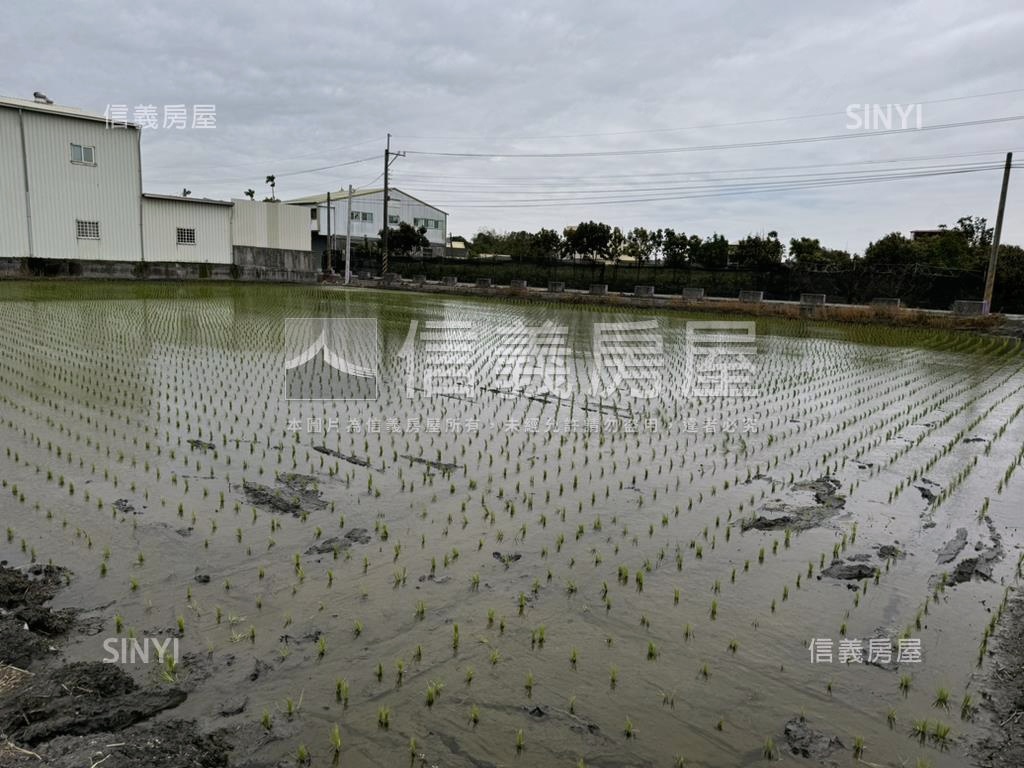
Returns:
<point x="348" y="239"/>
<point x="990" y="277"/>
<point x="330" y="241"/>
<point x="384" y="235"/>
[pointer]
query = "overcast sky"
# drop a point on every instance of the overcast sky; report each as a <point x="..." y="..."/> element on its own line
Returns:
<point x="299" y="86"/>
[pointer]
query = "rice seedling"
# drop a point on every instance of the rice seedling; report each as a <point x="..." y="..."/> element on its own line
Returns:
<point x="940" y="735"/>
<point x="967" y="707"/>
<point x="904" y="685"/>
<point x="384" y="717"/>
<point x="520" y="740"/>
<point x="942" y="699"/>
<point x="768" y="749"/>
<point x="335" y="739"/>
<point x="919" y="730"/>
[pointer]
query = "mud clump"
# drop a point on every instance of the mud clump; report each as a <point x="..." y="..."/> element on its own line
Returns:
<point x="782" y="515"/>
<point x="28" y="628"/>
<point x="168" y="744"/>
<point x="506" y="559"/>
<point x="335" y="545"/>
<point x="807" y="742"/>
<point x="846" y="571"/>
<point x="441" y="466"/>
<point x="81" y="698"/>
<point x="359" y="462"/>
<point x="202" y="445"/>
<point x="952" y="547"/>
<point x="294" y="494"/>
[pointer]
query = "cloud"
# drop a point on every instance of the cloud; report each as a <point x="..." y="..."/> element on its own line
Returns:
<point x="303" y="86"/>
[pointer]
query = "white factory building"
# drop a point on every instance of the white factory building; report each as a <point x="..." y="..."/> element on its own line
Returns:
<point x="367" y="214"/>
<point x="71" y="192"/>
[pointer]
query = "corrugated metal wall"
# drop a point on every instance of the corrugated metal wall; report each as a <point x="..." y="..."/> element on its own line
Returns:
<point x="61" y="192"/>
<point x="212" y="225"/>
<point x="13" y="222"/>
<point x="270" y="225"/>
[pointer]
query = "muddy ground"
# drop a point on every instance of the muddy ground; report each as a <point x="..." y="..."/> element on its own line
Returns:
<point x="1003" y="696"/>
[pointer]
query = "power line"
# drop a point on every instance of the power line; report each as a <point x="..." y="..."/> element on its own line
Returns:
<point x="763" y="121"/>
<point x="638" y="187"/>
<point x="554" y="178"/>
<point x="753" y="188"/>
<point x="273" y="160"/>
<point x="713" y="147"/>
<point x="278" y="175"/>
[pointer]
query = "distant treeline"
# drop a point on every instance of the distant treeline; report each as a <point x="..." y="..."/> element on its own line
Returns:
<point x="930" y="271"/>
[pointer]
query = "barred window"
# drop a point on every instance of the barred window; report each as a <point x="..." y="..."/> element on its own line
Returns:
<point x="186" y="236"/>
<point x="87" y="230"/>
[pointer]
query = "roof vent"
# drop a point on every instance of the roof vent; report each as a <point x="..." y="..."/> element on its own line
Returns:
<point x="41" y="98"/>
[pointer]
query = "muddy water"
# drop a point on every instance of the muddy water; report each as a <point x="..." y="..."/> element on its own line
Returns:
<point x="103" y="387"/>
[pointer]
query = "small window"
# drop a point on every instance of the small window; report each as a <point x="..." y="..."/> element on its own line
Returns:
<point x="186" y="236"/>
<point x="367" y="216"/>
<point x="87" y="230"/>
<point x="394" y="218"/>
<point x="313" y="214"/>
<point x="83" y="155"/>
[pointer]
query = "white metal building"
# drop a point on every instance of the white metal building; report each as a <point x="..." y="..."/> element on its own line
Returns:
<point x="70" y="187"/>
<point x="186" y="229"/>
<point x="368" y="214"/>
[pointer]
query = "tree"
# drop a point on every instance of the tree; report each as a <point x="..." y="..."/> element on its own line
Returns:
<point x="893" y="249"/>
<point x="250" y="193"/>
<point x="713" y="252"/>
<point x="643" y="244"/>
<point x="675" y="248"/>
<point x="272" y="181"/>
<point x="976" y="232"/>
<point x="589" y="239"/>
<point x="807" y="252"/>
<point x="759" y="251"/>
<point x="405" y="238"/>
<point x="546" y="243"/>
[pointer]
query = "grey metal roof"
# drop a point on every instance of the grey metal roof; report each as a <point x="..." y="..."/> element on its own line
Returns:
<point x="56" y="109"/>
<point x="180" y="199"/>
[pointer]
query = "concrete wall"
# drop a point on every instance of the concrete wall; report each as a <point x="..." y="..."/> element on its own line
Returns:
<point x="279" y="261"/>
<point x="212" y="224"/>
<point x="60" y="192"/>
<point x="270" y="225"/>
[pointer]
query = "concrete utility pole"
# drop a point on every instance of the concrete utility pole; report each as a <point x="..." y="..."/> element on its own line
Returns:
<point x="330" y="240"/>
<point x="348" y="238"/>
<point x="384" y="235"/>
<point x="990" y="277"/>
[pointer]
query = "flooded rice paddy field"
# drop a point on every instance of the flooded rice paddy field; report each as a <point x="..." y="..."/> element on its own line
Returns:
<point x="645" y="594"/>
